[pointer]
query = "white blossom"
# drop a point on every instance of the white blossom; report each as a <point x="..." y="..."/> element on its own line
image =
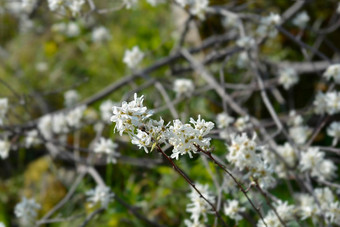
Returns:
<point x="45" y="126"/>
<point x="108" y="147"/>
<point x="198" y="8"/>
<point x="2" y="224"/>
<point x="60" y="6"/>
<point x="327" y="102"/>
<point x="26" y="211"/>
<point x="28" y="5"/>
<point x="101" y="194"/>
<point x="3" y="109"/>
<point x="32" y="138"/>
<point x="233" y="209"/>
<point x="41" y="66"/>
<point x="224" y="120"/>
<point x="242" y="60"/>
<point x="287" y="152"/>
<point x="142" y="140"/>
<point x="100" y="34"/>
<point x="59" y="124"/>
<point x="334" y="130"/>
<point x="74" y="116"/>
<point x="106" y="110"/>
<point x="70" y="29"/>
<point x="300" y="133"/>
<point x="333" y="71"/>
<point x="155" y="2"/>
<point x="198" y="207"/>
<point x="4" y="148"/>
<point x="285" y="211"/>
<point x="130" y="116"/>
<point x="189" y="223"/>
<point x="130" y="3"/>
<point x="271" y="220"/>
<point x="246" y="42"/>
<point x="242" y="123"/>
<point x="71" y="97"/>
<point x="267" y="25"/>
<point x="301" y="19"/>
<point x="133" y="57"/>
<point x="306" y="206"/>
<point x="288" y="77"/>
<point x="184" y="87"/>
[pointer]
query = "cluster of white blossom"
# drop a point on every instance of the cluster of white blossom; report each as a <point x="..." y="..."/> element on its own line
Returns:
<point x="334" y="130"/>
<point x="301" y="20"/>
<point x="198" y="207"/>
<point x="184" y="138"/>
<point x="32" y="138"/>
<point x="3" y="109"/>
<point x="133" y="57"/>
<point x="242" y="123"/>
<point x="324" y="202"/>
<point x="242" y="154"/>
<point x="4" y="148"/>
<point x="297" y="130"/>
<point x="106" y="110"/>
<point x="224" y="120"/>
<point x="328" y="102"/>
<point x="70" y="29"/>
<point x="196" y="7"/>
<point x="284" y="211"/>
<point x="101" y="194"/>
<point x="100" y="34"/>
<point x="267" y="25"/>
<point x="313" y="161"/>
<point x="61" y="6"/>
<point x="26" y="211"/>
<point x="288" y="77"/>
<point x="246" y="42"/>
<point x="289" y="154"/>
<point x="61" y="123"/>
<point x="233" y="210"/>
<point x="133" y="119"/>
<point x="184" y="87"/>
<point x="333" y="71"/>
<point x="108" y="147"/>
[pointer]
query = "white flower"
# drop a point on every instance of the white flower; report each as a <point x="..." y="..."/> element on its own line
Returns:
<point x="61" y="5"/>
<point x="108" y="147"/>
<point x="232" y="209"/>
<point x="4" y="148"/>
<point x="2" y="224"/>
<point x="74" y="117"/>
<point x="100" y="34"/>
<point x="26" y="210"/>
<point x="307" y="206"/>
<point x="242" y="123"/>
<point x="133" y="57"/>
<point x="325" y="196"/>
<point x="59" y="124"/>
<point x="106" y="110"/>
<point x="142" y="140"/>
<point x="184" y="87"/>
<point x="130" y="116"/>
<point x="198" y="8"/>
<point x="334" y="130"/>
<point x="271" y="220"/>
<point x="242" y="60"/>
<point x="268" y="24"/>
<point x="130" y="3"/>
<point x="285" y="211"/>
<point x="287" y="152"/>
<point x="288" y="77"/>
<point x="3" y="109"/>
<point x="71" y="97"/>
<point x="70" y="29"/>
<point x="224" y="120"/>
<point x="75" y="6"/>
<point x="294" y="119"/>
<point x="32" y="138"/>
<point x="100" y="194"/>
<point x="301" y="19"/>
<point x="198" y="206"/>
<point x="333" y="71"/>
<point x="300" y="134"/>
<point x="188" y="223"/>
<point x="184" y="138"/>
<point x="332" y="213"/>
<point x="320" y="103"/>
<point x="45" y="126"/>
<point x="231" y="21"/>
<point x="326" y="171"/>
<point x="245" y="42"/>
<point x="327" y="103"/>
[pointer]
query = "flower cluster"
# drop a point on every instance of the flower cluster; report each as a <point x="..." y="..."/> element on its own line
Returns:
<point x="134" y="119"/>
<point x="184" y="87"/>
<point x="242" y="154"/>
<point x="246" y="42"/>
<point x="224" y="120"/>
<point x="301" y="20"/>
<point x="297" y="130"/>
<point x="26" y="211"/>
<point x="333" y="71"/>
<point x="106" y="110"/>
<point x="108" y="147"/>
<point x="334" y="130"/>
<point x="314" y="162"/>
<point x="267" y="27"/>
<point x="4" y="148"/>
<point x="284" y="211"/>
<point x="100" y="194"/>
<point x="70" y="29"/>
<point x="233" y="210"/>
<point x="61" y="6"/>
<point x="198" y="207"/>
<point x="133" y="57"/>
<point x="100" y="35"/>
<point x="327" y="103"/>
<point x="196" y="7"/>
<point x="288" y="77"/>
